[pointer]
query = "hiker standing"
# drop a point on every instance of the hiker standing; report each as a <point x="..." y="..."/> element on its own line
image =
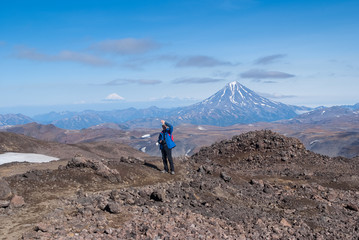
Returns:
<point x="165" y="139"/>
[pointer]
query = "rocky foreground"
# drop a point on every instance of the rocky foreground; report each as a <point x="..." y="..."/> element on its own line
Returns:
<point x="258" y="185"/>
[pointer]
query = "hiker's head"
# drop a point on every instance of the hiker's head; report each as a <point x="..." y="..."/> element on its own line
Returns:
<point x="164" y="127"/>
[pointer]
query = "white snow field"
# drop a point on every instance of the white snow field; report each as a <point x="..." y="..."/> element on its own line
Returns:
<point x="25" y="157"/>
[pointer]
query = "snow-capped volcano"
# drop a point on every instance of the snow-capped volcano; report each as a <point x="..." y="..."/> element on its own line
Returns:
<point x="233" y="104"/>
<point x="236" y="94"/>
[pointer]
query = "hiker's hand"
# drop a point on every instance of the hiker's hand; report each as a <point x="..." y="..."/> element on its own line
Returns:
<point x="163" y="122"/>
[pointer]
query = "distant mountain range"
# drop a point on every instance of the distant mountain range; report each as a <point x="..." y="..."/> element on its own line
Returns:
<point x="233" y="104"/>
<point x="330" y="131"/>
<point x="14" y="119"/>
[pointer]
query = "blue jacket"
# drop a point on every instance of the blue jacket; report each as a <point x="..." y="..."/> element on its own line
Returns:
<point x="167" y="136"/>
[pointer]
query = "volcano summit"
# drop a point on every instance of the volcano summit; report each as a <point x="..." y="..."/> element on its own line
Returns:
<point x="235" y="104"/>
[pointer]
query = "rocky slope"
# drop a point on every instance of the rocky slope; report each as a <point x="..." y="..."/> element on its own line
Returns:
<point x="258" y="185"/>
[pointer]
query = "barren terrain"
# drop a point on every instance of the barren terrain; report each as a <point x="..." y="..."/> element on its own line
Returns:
<point x="258" y="185"/>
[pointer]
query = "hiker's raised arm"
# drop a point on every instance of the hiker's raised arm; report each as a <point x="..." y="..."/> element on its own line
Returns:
<point x="170" y="126"/>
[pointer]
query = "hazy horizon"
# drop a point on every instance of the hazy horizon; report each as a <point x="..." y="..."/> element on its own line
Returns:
<point x="32" y="111"/>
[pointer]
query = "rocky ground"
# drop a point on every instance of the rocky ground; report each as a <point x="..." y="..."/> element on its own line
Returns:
<point x="258" y="185"/>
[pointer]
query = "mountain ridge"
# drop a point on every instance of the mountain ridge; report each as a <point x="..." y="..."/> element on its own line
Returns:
<point x="233" y="104"/>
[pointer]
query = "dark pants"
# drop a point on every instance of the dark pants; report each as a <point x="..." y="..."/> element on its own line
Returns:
<point x="167" y="154"/>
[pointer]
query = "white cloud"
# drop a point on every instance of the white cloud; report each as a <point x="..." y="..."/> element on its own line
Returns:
<point x="203" y="80"/>
<point x="114" y="97"/>
<point x="117" y="82"/>
<point x="202" y="61"/>
<point x="126" y="46"/>
<point x="264" y="74"/>
<point x="269" y="59"/>
<point x="276" y="95"/>
<point x="82" y="58"/>
<point x="64" y="56"/>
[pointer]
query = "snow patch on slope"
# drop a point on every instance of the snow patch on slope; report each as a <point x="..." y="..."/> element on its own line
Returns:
<point x="25" y="157"/>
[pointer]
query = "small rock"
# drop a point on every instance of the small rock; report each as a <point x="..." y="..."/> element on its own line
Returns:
<point x="113" y="207"/>
<point x="260" y="222"/>
<point x="267" y="189"/>
<point x="108" y="231"/>
<point x="258" y="182"/>
<point x="130" y="201"/>
<point x="17" y="201"/>
<point x="225" y="177"/>
<point x="352" y="207"/>
<point x="201" y="169"/>
<point x="42" y="227"/>
<point x="285" y="223"/>
<point x="115" y="195"/>
<point x="157" y="196"/>
<point x="208" y="169"/>
<point x="4" y="203"/>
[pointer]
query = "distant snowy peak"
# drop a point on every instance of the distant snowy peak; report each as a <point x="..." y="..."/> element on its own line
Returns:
<point x="236" y="94"/>
<point x="235" y="104"/>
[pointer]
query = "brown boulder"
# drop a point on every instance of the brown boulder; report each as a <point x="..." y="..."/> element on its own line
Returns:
<point x="5" y="191"/>
<point x="17" y="201"/>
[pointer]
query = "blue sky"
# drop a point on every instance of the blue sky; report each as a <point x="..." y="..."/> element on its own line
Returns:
<point x="77" y="55"/>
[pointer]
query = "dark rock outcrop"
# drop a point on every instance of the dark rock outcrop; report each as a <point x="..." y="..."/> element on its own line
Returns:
<point x="99" y="167"/>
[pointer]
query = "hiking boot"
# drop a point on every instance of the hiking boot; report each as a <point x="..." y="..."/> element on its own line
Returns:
<point x="164" y="171"/>
<point x="173" y="173"/>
